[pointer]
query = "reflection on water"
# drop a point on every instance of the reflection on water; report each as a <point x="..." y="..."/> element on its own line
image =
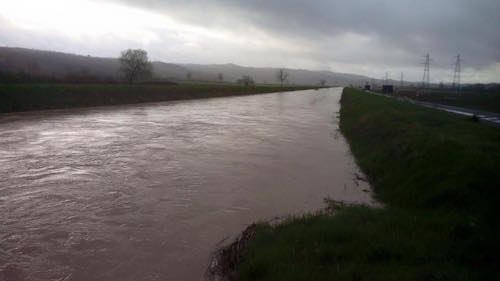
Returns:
<point x="145" y="192"/>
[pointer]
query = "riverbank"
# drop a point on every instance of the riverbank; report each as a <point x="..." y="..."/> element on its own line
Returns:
<point x="436" y="175"/>
<point x="29" y="97"/>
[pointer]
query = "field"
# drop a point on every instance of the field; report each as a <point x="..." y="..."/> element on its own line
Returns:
<point x="27" y="97"/>
<point x="436" y="175"/>
<point x="474" y="99"/>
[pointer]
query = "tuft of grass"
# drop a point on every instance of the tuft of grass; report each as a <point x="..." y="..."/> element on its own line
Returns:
<point x="359" y="243"/>
<point x="436" y="174"/>
<point x="475" y="118"/>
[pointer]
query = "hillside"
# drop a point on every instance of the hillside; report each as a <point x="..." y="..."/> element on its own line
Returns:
<point x="57" y="64"/>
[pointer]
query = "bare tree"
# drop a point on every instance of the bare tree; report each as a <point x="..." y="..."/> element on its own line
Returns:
<point x="220" y="76"/>
<point x="282" y="76"/>
<point x="135" y="65"/>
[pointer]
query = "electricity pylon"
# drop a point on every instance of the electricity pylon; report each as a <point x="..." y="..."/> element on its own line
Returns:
<point x="426" y="80"/>
<point x="456" y="74"/>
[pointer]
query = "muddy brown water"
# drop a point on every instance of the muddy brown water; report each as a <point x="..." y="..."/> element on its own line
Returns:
<point x="145" y="192"/>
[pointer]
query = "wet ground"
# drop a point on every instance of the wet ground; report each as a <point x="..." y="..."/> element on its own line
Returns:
<point x="145" y="192"/>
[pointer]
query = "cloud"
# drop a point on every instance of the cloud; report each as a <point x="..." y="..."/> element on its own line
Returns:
<point x="444" y="27"/>
<point x="390" y="34"/>
<point x="368" y="37"/>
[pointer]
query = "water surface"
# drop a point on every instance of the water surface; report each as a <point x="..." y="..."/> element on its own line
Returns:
<point x="145" y="192"/>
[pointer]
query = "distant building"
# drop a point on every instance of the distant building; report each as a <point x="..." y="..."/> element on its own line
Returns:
<point x="367" y="87"/>
<point x="387" y="89"/>
<point x="246" y="81"/>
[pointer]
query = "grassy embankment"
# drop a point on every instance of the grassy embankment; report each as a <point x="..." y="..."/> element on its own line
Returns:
<point x="26" y="97"/>
<point x="437" y="175"/>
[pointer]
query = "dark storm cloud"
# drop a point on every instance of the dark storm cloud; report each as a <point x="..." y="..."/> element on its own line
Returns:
<point x="368" y="37"/>
<point x="407" y="28"/>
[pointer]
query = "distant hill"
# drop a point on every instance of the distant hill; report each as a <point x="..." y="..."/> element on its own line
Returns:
<point x="47" y="63"/>
<point x="57" y="64"/>
<point x="232" y="72"/>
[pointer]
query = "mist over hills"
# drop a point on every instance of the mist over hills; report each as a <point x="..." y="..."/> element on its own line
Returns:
<point x="57" y="64"/>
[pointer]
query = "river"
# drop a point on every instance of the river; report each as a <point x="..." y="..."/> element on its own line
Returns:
<point x="145" y="192"/>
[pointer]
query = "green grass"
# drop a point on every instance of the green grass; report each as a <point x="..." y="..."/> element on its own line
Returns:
<point x="27" y="97"/>
<point x="436" y="174"/>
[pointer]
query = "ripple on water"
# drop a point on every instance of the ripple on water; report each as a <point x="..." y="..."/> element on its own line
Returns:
<point x="145" y="192"/>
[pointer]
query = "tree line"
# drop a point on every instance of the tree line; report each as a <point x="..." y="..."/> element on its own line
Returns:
<point x="135" y="67"/>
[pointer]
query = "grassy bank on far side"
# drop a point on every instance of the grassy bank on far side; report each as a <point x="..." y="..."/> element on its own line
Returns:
<point x="437" y="175"/>
<point x="28" y="97"/>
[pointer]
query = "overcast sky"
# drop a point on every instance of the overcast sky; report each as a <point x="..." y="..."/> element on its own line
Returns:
<point x="369" y="37"/>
